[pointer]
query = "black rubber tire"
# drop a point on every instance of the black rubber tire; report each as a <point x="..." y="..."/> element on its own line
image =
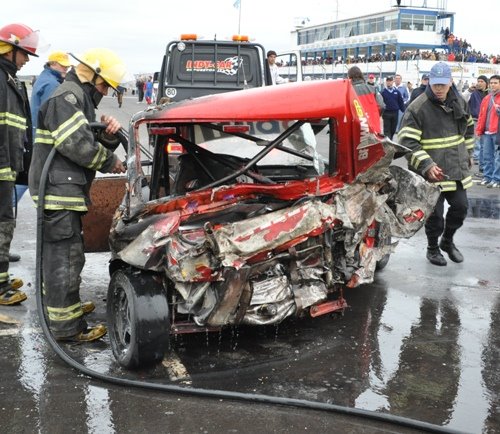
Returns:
<point x="385" y="259"/>
<point x="138" y="318"/>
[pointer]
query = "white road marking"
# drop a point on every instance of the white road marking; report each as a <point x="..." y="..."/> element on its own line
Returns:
<point x="10" y="332"/>
<point x="8" y="319"/>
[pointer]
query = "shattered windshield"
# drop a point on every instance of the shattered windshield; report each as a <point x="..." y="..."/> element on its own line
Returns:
<point x="299" y="148"/>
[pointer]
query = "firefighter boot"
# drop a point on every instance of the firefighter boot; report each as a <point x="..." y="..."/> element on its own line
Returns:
<point x="14" y="257"/>
<point x="88" y="335"/>
<point x="435" y="256"/>
<point x="10" y="294"/>
<point x="449" y="247"/>
<point x="87" y="307"/>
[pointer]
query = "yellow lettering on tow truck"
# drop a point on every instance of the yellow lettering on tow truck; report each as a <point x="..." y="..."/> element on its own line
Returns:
<point x="364" y="132"/>
<point x="359" y="110"/>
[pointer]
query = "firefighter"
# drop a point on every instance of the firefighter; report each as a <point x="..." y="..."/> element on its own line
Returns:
<point x="17" y="43"/>
<point x="439" y="130"/>
<point x="63" y="123"/>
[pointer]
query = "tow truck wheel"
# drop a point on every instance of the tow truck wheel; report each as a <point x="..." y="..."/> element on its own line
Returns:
<point x="138" y="318"/>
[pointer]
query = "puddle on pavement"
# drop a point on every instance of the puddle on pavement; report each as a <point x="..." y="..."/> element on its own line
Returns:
<point x="431" y="358"/>
<point x="484" y="207"/>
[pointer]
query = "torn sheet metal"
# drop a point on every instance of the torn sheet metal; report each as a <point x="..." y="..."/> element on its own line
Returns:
<point x="237" y="242"/>
<point x="195" y="259"/>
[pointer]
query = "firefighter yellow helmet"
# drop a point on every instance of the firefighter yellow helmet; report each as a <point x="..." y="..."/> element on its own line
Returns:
<point x="105" y="63"/>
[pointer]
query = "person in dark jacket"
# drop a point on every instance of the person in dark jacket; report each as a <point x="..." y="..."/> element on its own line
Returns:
<point x="439" y="130"/>
<point x="17" y="43"/>
<point x="120" y="90"/>
<point x="363" y="88"/>
<point x="393" y="104"/>
<point x="52" y="75"/>
<point x="63" y="124"/>
<point x="421" y="89"/>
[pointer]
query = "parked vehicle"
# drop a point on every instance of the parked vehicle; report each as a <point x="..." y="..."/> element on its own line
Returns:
<point x="262" y="222"/>
<point x="193" y="67"/>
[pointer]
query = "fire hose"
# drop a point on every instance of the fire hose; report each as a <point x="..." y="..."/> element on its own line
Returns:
<point x="198" y="392"/>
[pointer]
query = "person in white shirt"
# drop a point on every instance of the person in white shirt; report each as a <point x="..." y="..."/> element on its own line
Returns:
<point x="398" y="84"/>
<point x="273" y="68"/>
<point x="403" y="90"/>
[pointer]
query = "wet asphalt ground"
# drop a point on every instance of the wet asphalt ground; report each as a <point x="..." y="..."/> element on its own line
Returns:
<point x="421" y="342"/>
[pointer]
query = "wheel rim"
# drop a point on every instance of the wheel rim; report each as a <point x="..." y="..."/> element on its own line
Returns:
<point x="123" y="322"/>
<point x="138" y="318"/>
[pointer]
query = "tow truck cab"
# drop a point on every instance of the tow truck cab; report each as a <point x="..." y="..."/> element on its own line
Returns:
<point x="193" y="67"/>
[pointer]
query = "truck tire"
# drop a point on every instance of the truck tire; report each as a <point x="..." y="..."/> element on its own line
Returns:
<point x="385" y="259"/>
<point x="138" y="318"/>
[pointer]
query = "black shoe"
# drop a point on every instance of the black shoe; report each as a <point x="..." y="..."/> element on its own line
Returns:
<point x="435" y="257"/>
<point x="450" y="248"/>
<point x="14" y="257"/>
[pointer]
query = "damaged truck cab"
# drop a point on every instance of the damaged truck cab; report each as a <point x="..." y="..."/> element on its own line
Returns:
<point x="285" y="196"/>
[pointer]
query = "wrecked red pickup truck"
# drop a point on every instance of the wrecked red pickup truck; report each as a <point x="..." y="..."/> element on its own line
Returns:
<point x="284" y="197"/>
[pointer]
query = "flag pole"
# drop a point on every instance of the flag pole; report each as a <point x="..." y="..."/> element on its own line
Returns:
<point x="239" y="17"/>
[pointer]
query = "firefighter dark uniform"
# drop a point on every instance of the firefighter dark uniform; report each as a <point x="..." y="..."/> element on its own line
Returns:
<point x="63" y="123"/>
<point x="442" y="134"/>
<point x="17" y="41"/>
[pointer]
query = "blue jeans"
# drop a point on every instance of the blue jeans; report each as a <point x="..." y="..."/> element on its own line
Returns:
<point x="478" y="149"/>
<point x="491" y="158"/>
<point x="400" y="116"/>
<point x="20" y="190"/>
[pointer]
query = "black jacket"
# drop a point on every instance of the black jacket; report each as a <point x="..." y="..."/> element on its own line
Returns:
<point x="439" y="133"/>
<point x="15" y="125"/>
<point x="63" y="122"/>
<point x="393" y="100"/>
<point x="417" y="92"/>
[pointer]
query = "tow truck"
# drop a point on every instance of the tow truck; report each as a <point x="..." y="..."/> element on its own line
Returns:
<point x="194" y="67"/>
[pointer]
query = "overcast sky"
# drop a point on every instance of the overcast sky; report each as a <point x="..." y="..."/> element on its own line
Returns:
<point x="139" y="31"/>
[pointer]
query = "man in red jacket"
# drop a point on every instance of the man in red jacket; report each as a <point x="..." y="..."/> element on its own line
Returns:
<point x="487" y="128"/>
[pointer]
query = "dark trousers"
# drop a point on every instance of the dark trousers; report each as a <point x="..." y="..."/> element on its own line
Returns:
<point x="7" y="225"/>
<point x="63" y="261"/>
<point x="390" y="122"/>
<point x="437" y="225"/>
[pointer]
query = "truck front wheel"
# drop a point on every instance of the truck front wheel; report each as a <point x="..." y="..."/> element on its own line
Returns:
<point x="138" y="318"/>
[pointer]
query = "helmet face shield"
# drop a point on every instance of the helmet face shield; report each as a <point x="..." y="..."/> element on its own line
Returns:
<point x="105" y="63"/>
<point x="22" y="37"/>
<point x="30" y="42"/>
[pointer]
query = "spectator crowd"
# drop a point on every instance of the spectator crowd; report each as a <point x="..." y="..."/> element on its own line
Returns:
<point x="453" y="49"/>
